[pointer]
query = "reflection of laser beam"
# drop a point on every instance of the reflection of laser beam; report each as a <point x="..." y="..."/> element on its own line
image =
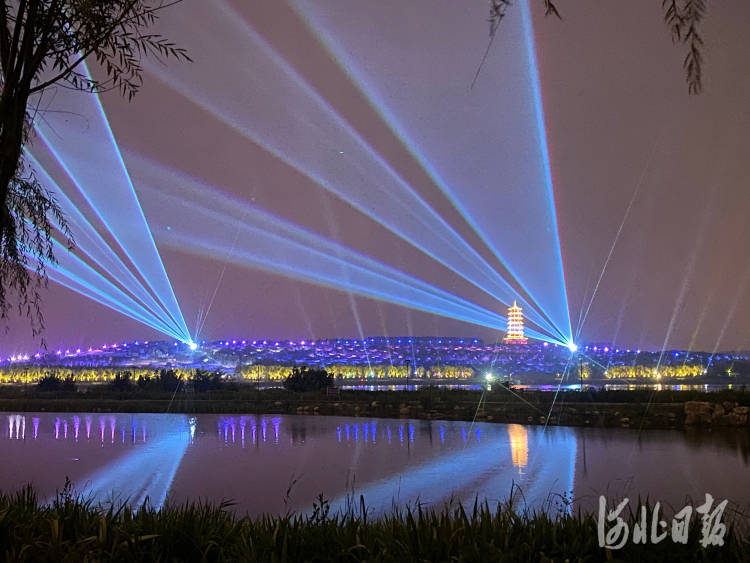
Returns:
<point x="361" y="178"/>
<point x="488" y="470"/>
<point x="98" y="171"/>
<point x="146" y="471"/>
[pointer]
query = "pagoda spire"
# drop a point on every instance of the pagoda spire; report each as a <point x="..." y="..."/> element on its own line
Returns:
<point x="514" y="334"/>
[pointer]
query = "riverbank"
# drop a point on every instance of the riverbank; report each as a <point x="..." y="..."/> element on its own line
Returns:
<point x="639" y="409"/>
<point x="74" y="530"/>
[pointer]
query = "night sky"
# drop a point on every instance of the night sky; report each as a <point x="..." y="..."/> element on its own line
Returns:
<point x="619" y="122"/>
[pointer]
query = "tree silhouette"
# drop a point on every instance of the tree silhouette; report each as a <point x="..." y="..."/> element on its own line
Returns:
<point x="306" y="379"/>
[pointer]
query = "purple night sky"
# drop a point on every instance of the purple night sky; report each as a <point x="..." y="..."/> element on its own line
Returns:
<point x="618" y="119"/>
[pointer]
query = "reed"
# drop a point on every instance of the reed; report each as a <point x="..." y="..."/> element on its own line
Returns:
<point x="73" y="529"/>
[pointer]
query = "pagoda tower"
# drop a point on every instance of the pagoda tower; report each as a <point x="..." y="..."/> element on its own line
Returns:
<point x="514" y="334"/>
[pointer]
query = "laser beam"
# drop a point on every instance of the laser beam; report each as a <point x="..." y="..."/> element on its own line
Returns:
<point x="526" y="241"/>
<point x="90" y="242"/>
<point x="73" y="273"/>
<point x="216" y="215"/>
<point x="300" y="254"/>
<point x="103" y="180"/>
<point x="255" y="109"/>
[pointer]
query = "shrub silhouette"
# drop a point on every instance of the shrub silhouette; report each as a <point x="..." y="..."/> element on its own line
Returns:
<point x="305" y="379"/>
<point x="54" y="383"/>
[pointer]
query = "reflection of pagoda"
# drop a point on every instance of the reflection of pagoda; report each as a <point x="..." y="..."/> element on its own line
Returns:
<point x="514" y="334"/>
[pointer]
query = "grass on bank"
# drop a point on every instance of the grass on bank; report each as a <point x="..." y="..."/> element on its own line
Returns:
<point x="72" y="529"/>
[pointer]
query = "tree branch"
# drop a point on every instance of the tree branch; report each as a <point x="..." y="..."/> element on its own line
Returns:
<point x="98" y="41"/>
<point x="96" y="45"/>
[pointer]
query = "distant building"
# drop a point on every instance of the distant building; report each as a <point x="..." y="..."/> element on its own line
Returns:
<point x="514" y="334"/>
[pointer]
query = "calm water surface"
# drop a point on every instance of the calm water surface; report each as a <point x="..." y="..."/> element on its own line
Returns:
<point x="275" y="464"/>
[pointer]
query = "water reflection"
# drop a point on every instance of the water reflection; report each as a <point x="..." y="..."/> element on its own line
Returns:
<point x="61" y="428"/>
<point x="519" y="446"/>
<point x="254" y="458"/>
<point x="17" y="427"/>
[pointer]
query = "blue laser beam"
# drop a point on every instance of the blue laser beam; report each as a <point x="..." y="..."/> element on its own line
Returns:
<point x="206" y="208"/>
<point x="73" y="273"/>
<point x="64" y="166"/>
<point x="70" y="281"/>
<point x="100" y="173"/>
<point x="564" y="314"/>
<point x="533" y="255"/>
<point x="360" y="180"/>
<point x="299" y="261"/>
<point x="90" y="242"/>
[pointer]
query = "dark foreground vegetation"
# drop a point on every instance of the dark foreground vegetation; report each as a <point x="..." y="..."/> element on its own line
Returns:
<point x="71" y="529"/>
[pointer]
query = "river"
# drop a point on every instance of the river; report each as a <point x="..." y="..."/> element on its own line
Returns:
<point x="282" y="463"/>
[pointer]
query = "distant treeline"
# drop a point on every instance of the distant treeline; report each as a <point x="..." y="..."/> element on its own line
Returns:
<point x="165" y="378"/>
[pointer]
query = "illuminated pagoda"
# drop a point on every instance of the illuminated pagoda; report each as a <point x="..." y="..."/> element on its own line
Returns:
<point x="514" y="334"/>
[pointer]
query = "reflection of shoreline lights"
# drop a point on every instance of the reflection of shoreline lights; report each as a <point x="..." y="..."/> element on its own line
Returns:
<point x="230" y="429"/>
<point x="519" y="446"/>
<point x="147" y="467"/>
<point x="17" y="426"/>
